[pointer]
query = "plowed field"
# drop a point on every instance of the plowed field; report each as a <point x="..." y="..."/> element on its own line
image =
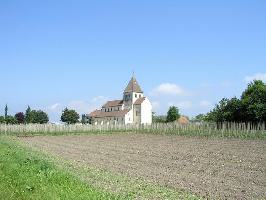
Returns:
<point x="212" y="168"/>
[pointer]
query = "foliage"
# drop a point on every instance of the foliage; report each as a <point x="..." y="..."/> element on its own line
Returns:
<point x="172" y="114"/>
<point x="6" y="110"/>
<point x="27" y="115"/>
<point x="39" y="117"/>
<point x="20" y="117"/>
<point x="200" y="118"/>
<point x="251" y="107"/>
<point x="10" y="120"/>
<point x="254" y="101"/>
<point x="69" y="116"/>
<point x="84" y="119"/>
<point x="27" y="175"/>
<point x="2" y="119"/>
<point x="159" y="119"/>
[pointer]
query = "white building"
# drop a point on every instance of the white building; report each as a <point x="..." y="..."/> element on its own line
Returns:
<point x="134" y="108"/>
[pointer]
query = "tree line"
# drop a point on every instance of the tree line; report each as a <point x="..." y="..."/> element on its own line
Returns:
<point x="39" y="117"/>
<point x="250" y="107"/>
<point x="30" y="116"/>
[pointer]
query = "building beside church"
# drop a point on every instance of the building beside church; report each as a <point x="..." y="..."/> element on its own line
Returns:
<point x="134" y="108"/>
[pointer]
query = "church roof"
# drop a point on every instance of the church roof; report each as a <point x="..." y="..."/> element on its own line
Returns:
<point x="139" y="101"/>
<point x="133" y="86"/>
<point x="100" y="114"/>
<point x="114" y="103"/>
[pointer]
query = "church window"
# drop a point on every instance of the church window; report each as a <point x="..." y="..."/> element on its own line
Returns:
<point x="139" y="95"/>
<point x="136" y="95"/>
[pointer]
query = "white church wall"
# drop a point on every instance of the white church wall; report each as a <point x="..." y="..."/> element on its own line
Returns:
<point x="146" y="112"/>
<point x="129" y="117"/>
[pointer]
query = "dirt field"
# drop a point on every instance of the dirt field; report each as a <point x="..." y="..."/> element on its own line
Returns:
<point x="211" y="168"/>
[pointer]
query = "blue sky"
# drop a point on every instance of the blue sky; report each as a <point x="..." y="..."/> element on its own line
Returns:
<point x="79" y="54"/>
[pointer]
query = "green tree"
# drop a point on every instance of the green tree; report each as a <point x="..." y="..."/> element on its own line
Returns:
<point x="158" y="118"/>
<point x="38" y="117"/>
<point x="69" y="116"/>
<point x="250" y="108"/>
<point x="254" y="101"/>
<point x="28" y="117"/>
<point x="199" y="118"/>
<point x="6" y="111"/>
<point x="10" y="120"/>
<point x="172" y="114"/>
<point x="84" y="119"/>
<point x="2" y="119"/>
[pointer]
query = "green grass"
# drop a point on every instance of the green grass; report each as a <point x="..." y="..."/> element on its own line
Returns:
<point x="25" y="175"/>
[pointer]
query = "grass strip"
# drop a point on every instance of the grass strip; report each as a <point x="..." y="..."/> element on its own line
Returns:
<point x="25" y="175"/>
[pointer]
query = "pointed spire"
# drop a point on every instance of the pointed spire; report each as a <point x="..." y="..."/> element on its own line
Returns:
<point x="133" y="85"/>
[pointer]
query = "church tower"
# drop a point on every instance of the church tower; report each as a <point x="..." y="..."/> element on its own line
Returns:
<point x="132" y="93"/>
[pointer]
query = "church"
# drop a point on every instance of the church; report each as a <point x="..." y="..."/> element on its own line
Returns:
<point x="134" y="108"/>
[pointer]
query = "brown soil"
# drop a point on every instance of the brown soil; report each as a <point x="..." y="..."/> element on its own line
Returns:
<point x="211" y="168"/>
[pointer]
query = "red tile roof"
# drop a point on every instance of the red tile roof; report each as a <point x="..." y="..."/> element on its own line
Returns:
<point x="139" y="101"/>
<point x="100" y="114"/>
<point x="133" y="86"/>
<point x="113" y="103"/>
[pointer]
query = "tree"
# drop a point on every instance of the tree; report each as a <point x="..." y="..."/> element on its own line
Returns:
<point x="10" y="120"/>
<point x="6" y="110"/>
<point x="69" y="116"/>
<point x="20" y="117"/>
<point x="84" y="119"/>
<point x="172" y="114"/>
<point x="200" y="118"/>
<point x="2" y="119"/>
<point x="158" y="118"/>
<point x="254" y="101"/>
<point x="38" y="117"/>
<point x="27" y="115"/>
<point x="251" y="107"/>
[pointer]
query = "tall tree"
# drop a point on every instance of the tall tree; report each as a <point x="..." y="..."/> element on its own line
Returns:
<point x="6" y="111"/>
<point x="172" y="114"/>
<point x="69" y="116"/>
<point x="27" y="115"/>
<point x="84" y="119"/>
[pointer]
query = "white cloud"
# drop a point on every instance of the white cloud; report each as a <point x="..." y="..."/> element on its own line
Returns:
<point x="54" y="106"/>
<point x="205" y="103"/>
<point x="184" y="105"/>
<point x="258" y="76"/>
<point x="169" y="89"/>
<point x="99" y="98"/>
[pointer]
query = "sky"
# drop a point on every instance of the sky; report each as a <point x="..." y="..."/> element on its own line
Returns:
<point x="79" y="54"/>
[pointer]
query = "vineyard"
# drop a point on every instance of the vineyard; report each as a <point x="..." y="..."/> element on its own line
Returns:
<point x="234" y="130"/>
